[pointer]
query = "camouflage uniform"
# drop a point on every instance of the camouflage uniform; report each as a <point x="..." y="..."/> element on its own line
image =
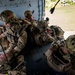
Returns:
<point x="16" y="36"/>
<point x="4" y="40"/>
<point x="70" y="41"/>
<point x="42" y="25"/>
<point x="29" y="19"/>
<point x="45" y="33"/>
<point x="58" y="56"/>
<point x="61" y="57"/>
<point x="57" y="32"/>
<point x="38" y="29"/>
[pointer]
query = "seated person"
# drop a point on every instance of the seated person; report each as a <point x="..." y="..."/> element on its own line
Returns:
<point x="29" y="19"/>
<point x="17" y="40"/>
<point x="58" y="56"/>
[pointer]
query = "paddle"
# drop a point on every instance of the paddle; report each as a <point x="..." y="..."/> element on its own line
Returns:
<point x="52" y="9"/>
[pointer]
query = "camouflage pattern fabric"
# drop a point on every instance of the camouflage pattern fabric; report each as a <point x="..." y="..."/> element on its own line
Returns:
<point x="16" y="73"/>
<point x="3" y="40"/>
<point x="19" y="45"/>
<point x="57" y="56"/>
<point x="16" y="36"/>
<point x="70" y="41"/>
<point x="54" y="64"/>
<point x="29" y="19"/>
<point x="39" y="33"/>
<point x="4" y="68"/>
<point x="57" y="32"/>
<point x="42" y="25"/>
<point x="6" y="15"/>
<point x="20" y="69"/>
<point x="70" y="68"/>
<point x="42" y="39"/>
<point x="57" y="63"/>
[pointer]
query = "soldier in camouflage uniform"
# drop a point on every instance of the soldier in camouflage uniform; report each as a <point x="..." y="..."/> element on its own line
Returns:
<point x="29" y="19"/>
<point x="45" y="33"/>
<point x="16" y="36"/>
<point x="61" y="55"/>
<point x="70" y="42"/>
<point x="38" y="29"/>
<point x="58" y="56"/>
<point x="57" y="32"/>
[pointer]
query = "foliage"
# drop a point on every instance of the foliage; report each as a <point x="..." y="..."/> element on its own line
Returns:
<point x="53" y="0"/>
<point x="67" y="2"/>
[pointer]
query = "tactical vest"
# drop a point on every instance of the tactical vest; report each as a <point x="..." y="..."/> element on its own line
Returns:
<point x="17" y="26"/>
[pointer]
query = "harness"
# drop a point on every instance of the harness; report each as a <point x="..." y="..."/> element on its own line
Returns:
<point x="13" y="38"/>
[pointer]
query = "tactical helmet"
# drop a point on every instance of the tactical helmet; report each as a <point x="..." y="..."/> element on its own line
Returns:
<point x="42" y="25"/>
<point x="70" y="42"/>
<point x="28" y="13"/>
<point x="7" y="14"/>
<point x="57" y="31"/>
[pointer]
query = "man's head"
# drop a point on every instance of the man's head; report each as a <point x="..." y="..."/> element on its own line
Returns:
<point x="6" y="15"/>
<point x="70" y="42"/>
<point x="27" y="13"/>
